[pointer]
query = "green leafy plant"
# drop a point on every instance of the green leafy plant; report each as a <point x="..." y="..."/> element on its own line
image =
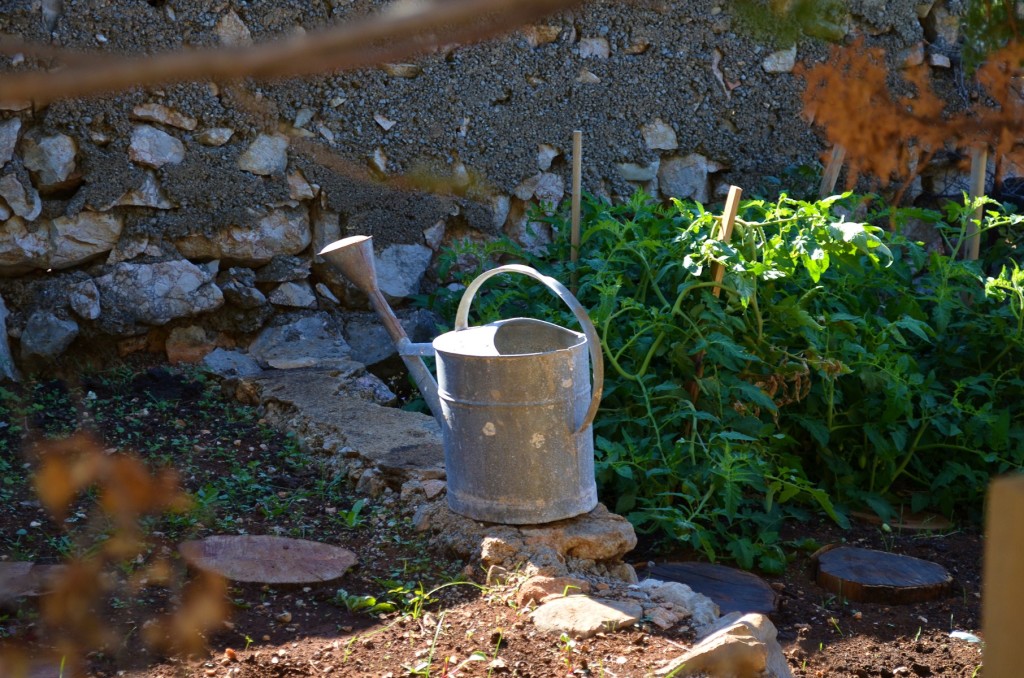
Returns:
<point x="836" y="362"/>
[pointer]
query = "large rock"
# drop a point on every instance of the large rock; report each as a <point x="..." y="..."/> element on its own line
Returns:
<point x="164" y="115"/>
<point x="155" y="294"/>
<point x="690" y="604"/>
<point x="400" y="269"/>
<point x="267" y="155"/>
<point x="297" y="294"/>
<point x="306" y="342"/>
<point x="544" y="186"/>
<point x="154" y="148"/>
<point x="50" y="158"/>
<point x="8" y="370"/>
<point x="23" y="246"/>
<point x="686" y="177"/>
<point x="369" y="340"/>
<point x="23" y="200"/>
<point x="47" y="336"/>
<point x="659" y="135"/>
<point x="8" y="139"/>
<point x="147" y="194"/>
<point x="746" y="648"/>
<point x="282" y="231"/>
<point x="81" y="237"/>
<point x="84" y="299"/>
<point x="230" y="364"/>
<point x="782" y="61"/>
<point x="583" y="617"/>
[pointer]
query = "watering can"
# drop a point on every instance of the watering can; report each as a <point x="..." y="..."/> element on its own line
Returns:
<point x="513" y="399"/>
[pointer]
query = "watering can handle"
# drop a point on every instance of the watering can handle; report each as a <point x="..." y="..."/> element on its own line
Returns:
<point x="594" y="342"/>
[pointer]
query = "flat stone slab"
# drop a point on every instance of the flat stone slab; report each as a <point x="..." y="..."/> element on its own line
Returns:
<point x="582" y="616"/>
<point x="267" y="559"/>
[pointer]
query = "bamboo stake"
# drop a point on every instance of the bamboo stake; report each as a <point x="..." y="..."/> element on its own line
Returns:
<point x="1003" y="583"/>
<point x="577" y="183"/>
<point x="732" y="206"/>
<point x="831" y="174"/>
<point x="979" y="162"/>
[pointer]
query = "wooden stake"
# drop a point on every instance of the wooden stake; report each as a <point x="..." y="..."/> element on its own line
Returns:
<point x="732" y="206"/>
<point x="1003" y="582"/>
<point x="979" y="162"/>
<point x="577" y="183"/>
<point x="832" y="169"/>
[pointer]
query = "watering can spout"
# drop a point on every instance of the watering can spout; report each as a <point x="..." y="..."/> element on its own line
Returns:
<point x="353" y="257"/>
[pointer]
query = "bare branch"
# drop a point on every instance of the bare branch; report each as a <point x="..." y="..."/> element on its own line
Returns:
<point x="387" y="37"/>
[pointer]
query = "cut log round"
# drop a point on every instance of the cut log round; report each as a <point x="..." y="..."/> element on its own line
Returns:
<point x="868" y="576"/>
<point x="908" y="521"/>
<point x="26" y="580"/>
<point x="732" y="590"/>
<point x="267" y="559"/>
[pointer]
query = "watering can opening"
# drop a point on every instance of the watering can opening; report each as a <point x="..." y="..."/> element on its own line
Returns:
<point x="509" y="338"/>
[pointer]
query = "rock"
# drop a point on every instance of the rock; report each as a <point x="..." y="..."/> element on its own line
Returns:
<point x="84" y="299"/>
<point x="23" y="200"/>
<point x="8" y="139"/>
<point x="545" y="154"/>
<point x="299" y="188"/>
<point x="545" y="187"/>
<point x="638" y="46"/>
<point x="594" y="48"/>
<point x="307" y="342"/>
<point x="370" y="342"/>
<point x="379" y="160"/>
<point x="293" y="294"/>
<point x="47" y="336"/>
<point x="164" y="115"/>
<point x="385" y="123"/>
<point x="148" y="194"/>
<point x="583" y="617"/>
<point x="782" y="61"/>
<point x="633" y="172"/>
<point x="501" y="205"/>
<point x="154" y="148"/>
<point x="402" y="70"/>
<point x="923" y="8"/>
<point x="22" y="247"/>
<point x="400" y="269"/>
<point x="230" y="364"/>
<point x="538" y="588"/>
<point x="912" y="56"/>
<point x="325" y="292"/>
<point x="243" y="296"/>
<point x="942" y="26"/>
<point x="267" y="155"/>
<point x="587" y="77"/>
<point x="541" y="35"/>
<point x="215" y="136"/>
<point x="747" y="648"/>
<point x="187" y="345"/>
<point x="8" y="370"/>
<point x="534" y="236"/>
<point x="50" y="158"/>
<point x="939" y="60"/>
<point x="81" y="237"/>
<point x="283" y="268"/>
<point x="155" y="294"/>
<point x="659" y="135"/>
<point x="686" y="177"/>
<point x="232" y="31"/>
<point x="281" y="231"/>
<point x="434" y="236"/>
<point x="699" y="608"/>
<point x="433" y="488"/>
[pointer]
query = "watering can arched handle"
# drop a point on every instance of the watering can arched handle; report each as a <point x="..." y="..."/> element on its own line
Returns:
<point x="593" y="341"/>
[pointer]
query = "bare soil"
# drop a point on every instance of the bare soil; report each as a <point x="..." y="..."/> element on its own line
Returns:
<point x="469" y="628"/>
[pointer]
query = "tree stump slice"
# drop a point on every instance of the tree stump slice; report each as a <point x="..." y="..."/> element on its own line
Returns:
<point x="909" y="521"/>
<point x="732" y="590"/>
<point x="266" y="559"/>
<point x="26" y="580"/>
<point x="869" y="576"/>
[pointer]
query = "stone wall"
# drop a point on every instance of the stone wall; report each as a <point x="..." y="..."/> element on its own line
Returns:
<point x="193" y="212"/>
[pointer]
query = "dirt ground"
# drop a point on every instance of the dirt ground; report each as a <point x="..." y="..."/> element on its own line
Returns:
<point x="468" y="628"/>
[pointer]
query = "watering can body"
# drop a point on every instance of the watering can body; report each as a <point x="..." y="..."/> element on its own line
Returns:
<point x="514" y="400"/>
<point x="517" y="407"/>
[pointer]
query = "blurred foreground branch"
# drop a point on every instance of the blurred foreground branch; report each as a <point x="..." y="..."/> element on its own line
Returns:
<point x="401" y="33"/>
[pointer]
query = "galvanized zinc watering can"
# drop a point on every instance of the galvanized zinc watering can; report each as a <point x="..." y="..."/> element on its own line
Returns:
<point x="513" y="399"/>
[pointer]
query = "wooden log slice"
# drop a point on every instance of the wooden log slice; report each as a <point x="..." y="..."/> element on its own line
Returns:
<point x="868" y="576"/>
<point x="267" y="559"/>
<point x="732" y="590"/>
